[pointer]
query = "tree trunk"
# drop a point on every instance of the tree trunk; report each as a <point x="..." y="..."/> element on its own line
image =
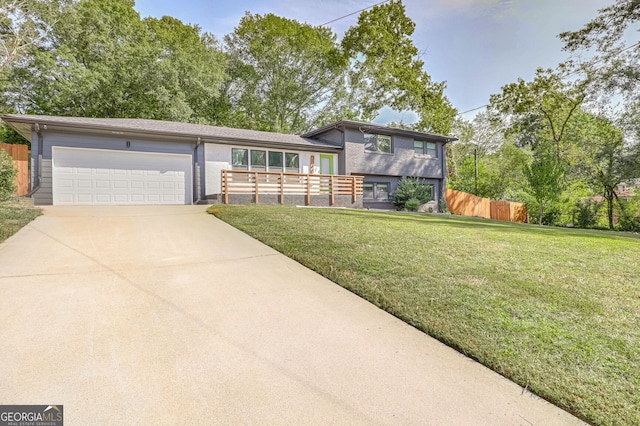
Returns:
<point x="476" y="173"/>
<point x="609" y="196"/>
<point x="541" y="213"/>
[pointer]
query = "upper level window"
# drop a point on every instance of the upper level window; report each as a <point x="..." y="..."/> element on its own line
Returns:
<point x="425" y="148"/>
<point x="377" y="143"/>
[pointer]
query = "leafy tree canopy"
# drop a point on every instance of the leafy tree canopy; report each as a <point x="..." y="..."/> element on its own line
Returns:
<point x="386" y="69"/>
<point x="605" y="160"/>
<point x="545" y="178"/>
<point x="539" y="110"/>
<point x="98" y="58"/>
<point x="615" y="67"/>
<point x="284" y="72"/>
<point x="102" y="60"/>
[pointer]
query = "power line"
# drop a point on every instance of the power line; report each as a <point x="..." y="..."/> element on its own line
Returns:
<point x="469" y="110"/>
<point x="562" y="76"/>
<point x="602" y="59"/>
<point x="353" y="13"/>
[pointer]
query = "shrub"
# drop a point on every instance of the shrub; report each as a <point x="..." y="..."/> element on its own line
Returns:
<point x="444" y="207"/>
<point x="629" y="215"/>
<point x="8" y="173"/>
<point x="552" y="215"/>
<point x="586" y="213"/>
<point x="409" y="188"/>
<point x="412" y="205"/>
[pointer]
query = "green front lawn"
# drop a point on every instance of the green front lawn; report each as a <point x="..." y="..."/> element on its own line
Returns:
<point x="555" y="310"/>
<point x="14" y="214"/>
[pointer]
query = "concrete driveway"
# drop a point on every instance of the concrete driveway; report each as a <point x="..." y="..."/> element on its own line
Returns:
<point x="166" y="315"/>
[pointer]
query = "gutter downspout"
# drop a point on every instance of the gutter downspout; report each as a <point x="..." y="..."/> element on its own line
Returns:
<point x="343" y="151"/>
<point x="196" y="173"/>
<point x="33" y="190"/>
<point x="443" y="189"/>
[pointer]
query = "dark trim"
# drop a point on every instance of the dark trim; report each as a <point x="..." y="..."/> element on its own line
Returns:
<point x="377" y="128"/>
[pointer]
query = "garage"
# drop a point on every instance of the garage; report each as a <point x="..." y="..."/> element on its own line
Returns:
<point x="82" y="176"/>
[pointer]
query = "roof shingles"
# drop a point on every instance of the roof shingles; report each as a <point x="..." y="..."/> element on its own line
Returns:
<point x="139" y="125"/>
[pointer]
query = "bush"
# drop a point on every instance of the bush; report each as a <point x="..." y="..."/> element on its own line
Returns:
<point x="412" y="188"/>
<point x="412" y="205"/>
<point x="551" y="215"/>
<point x="444" y="207"/>
<point x="629" y="215"/>
<point x="586" y="213"/>
<point x="8" y="173"/>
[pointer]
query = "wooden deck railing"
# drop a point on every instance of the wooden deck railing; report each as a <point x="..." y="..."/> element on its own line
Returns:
<point x="283" y="184"/>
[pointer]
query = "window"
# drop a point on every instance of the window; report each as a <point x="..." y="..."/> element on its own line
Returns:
<point x="376" y="191"/>
<point x="431" y="150"/>
<point x="258" y="160"/>
<point x="262" y="160"/>
<point x="425" y="148"/>
<point x="240" y="158"/>
<point x="377" y="143"/>
<point x="275" y="161"/>
<point x="292" y="162"/>
<point x="428" y="188"/>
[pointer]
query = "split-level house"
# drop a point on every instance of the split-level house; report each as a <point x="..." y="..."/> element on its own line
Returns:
<point x="113" y="161"/>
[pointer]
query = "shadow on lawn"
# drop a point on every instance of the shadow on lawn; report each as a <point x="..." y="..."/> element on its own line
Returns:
<point x="494" y="225"/>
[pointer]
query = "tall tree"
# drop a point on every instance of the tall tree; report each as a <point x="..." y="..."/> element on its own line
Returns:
<point x="545" y="178"/>
<point x="21" y="28"/>
<point x="614" y="63"/>
<point x="540" y="110"/>
<point x="386" y="69"/>
<point x="102" y="60"/>
<point x="606" y="160"/>
<point x="284" y="72"/>
<point x="483" y="161"/>
<point x="93" y="64"/>
<point x="497" y="175"/>
<point x="191" y="65"/>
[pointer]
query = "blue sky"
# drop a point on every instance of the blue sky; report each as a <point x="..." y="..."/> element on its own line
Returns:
<point x="477" y="46"/>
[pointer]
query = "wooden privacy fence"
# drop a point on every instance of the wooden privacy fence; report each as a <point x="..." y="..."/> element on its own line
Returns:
<point x="500" y="210"/>
<point x="465" y="204"/>
<point x="283" y="184"/>
<point x="20" y="155"/>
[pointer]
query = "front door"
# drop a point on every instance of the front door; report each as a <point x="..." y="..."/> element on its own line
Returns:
<point x="326" y="164"/>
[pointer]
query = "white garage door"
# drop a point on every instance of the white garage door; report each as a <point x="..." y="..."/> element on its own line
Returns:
<point x="100" y="176"/>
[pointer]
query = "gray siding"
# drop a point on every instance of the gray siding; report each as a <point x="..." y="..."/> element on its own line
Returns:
<point x="402" y="162"/>
<point x="393" y="185"/>
<point x="336" y="136"/>
<point x="44" y="195"/>
<point x="332" y="136"/>
<point x="199" y="175"/>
